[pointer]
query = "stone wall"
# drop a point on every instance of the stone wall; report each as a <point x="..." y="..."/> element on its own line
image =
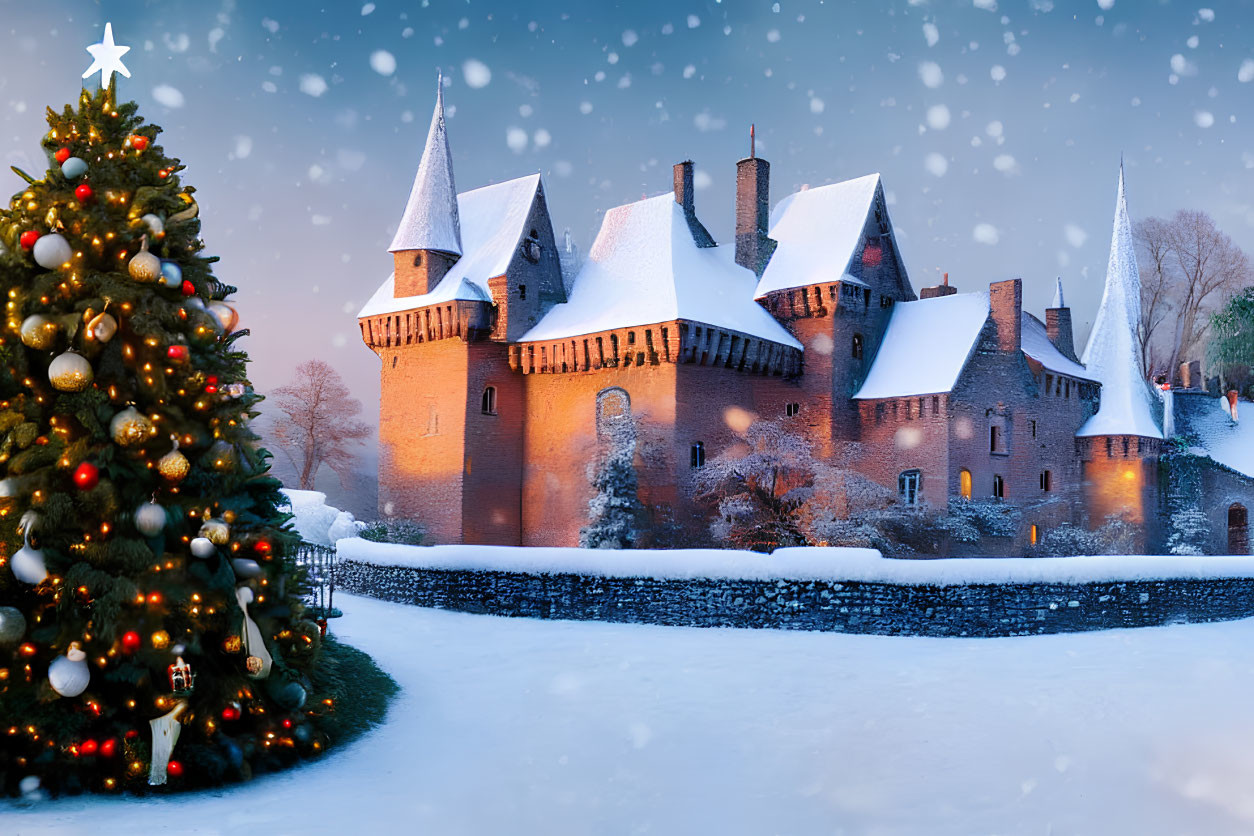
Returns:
<point x="875" y="607"/>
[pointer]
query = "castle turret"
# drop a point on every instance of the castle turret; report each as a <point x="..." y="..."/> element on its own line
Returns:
<point x="429" y="241"/>
<point x="1120" y="443"/>
<point x="1058" y="324"/>
<point x="753" y="186"/>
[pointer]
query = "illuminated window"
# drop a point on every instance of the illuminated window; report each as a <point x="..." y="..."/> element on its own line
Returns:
<point x="1033" y="534"/>
<point x="964" y="483"/>
<point x="909" y="484"/>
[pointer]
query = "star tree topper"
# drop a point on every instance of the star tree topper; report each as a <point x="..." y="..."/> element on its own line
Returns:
<point x="107" y="58"/>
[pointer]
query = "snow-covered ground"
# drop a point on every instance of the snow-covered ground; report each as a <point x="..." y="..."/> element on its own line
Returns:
<point x="541" y="727"/>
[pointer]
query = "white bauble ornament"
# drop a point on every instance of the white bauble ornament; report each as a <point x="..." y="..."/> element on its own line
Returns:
<point x="51" y="251"/>
<point x="12" y="625"/>
<point x="70" y="372"/>
<point x="156" y="227"/>
<point x="73" y="168"/>
<point x="246" y="567"/>
<point x="150" y="519"/>
<point x="28" y="564"/>
<point x="226" y="316"/>
<point x="130" y="426"/>
<point x="171" y="274"/>
<point x="39" y="332"/>
<point x="144" y="267"/>
<point x="216" y="532"/>
<point x="69" y="674"/>
<point x="195" y="303"/>
<point x="202" y="547"/>
<point x="102" y="327"/>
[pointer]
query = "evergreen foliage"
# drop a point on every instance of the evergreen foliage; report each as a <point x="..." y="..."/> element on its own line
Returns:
<point x="1232" y="342"/>
<point x="394" y="530"/>
<point x="135" y="589"/>
<point x="615" y="511"/>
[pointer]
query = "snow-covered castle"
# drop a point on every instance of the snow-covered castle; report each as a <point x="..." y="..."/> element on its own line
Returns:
<point x="499" y="370"/>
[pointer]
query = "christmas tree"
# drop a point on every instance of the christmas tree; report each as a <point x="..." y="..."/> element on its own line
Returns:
<point x="151" y="630"/>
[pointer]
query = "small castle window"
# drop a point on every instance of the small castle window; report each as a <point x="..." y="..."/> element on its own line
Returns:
<point x="1046" y="481"/>
<point x="417" y="259"/>
<point x="857" y="346"/>
<point x="1034" y="429"/>
<point x="936" y="404"/>
<point x="1034" y="534"/>
<point x="994" y="439"/>
<point x="999" y="487"/>
<point x="792" y="409"/>
<point x="522" y="291"/>
<point x="488" y="403"/>
<point x="909" y="484"/>
<point x="964" y="483"/>
<point x="698" y="454"/>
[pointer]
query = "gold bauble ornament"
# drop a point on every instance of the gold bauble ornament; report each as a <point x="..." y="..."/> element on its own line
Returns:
<point x="129" y="427"/>
<point x="144" y="267"/>
<point x="160" y="639"/>
<point x="102" y="327"/>
<point x="254" y="665"/>
<point x="70" y="372"/>
<point x="233" y="644"/>
<point x="39" y="332"/>
<point x="174" y="466"/>
<point x="216" y="532"/>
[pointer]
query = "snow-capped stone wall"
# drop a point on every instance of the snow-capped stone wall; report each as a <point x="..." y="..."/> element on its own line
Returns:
<point x="839" y="590"/>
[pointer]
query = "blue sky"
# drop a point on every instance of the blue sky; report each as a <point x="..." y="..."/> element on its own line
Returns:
<point x="997" y="126"/>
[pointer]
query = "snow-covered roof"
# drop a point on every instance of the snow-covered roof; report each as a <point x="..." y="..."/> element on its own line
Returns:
<point x="1228" y="442"/>
<point x="926" y="346"/>
<point x="492" y="221"/>
<point x="1113" y="354"/>
<point x="645" y="268"/>
<point x="818" y="231"/>
<point x="1036" y="344"/>
<point x="430" y="219"/>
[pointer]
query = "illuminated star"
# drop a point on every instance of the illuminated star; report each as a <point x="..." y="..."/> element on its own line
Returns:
<point x="107" y="58"/>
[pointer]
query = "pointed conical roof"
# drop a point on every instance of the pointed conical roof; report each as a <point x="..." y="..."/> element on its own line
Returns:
<point x="430" y="221"/>
<point x="1113" y="354"/>
<point x="1059" y="301"/>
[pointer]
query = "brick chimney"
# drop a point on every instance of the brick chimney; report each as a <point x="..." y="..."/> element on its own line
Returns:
<point x="938" y="290"/>
<point x="684" y="197"/>
<point x="1058" y="327"/>
<point x="1006" y="308"/>
<point x="753" y="178"/>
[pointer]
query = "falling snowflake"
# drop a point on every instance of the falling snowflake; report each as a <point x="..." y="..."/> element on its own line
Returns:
<point x="931" y="75"/>
<point x="985" y="234"/>
<point x="476" y="73"/>
<point x="383" y="62"/>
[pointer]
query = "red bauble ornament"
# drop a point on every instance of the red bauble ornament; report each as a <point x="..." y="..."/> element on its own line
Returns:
<point x="62" y="155"/>
<point x="211" y="389"/>
<point x="28" y="239"/>
<point x="130" y="641"/>
<point x="262" y="547"/>
<point x="189" y="289"/>
<point x="86" y="476"/>
<point x="230" y="713"/>
<point x="287" y="722"/>
<point x="109" y="748"/>
<point x="212" y="380"/>
<point x="174" y="769"/>
<point x="89" y="747"/>
<point x="139" y="142"/>
<point x="83" y="193"/>
<point x="177" y="352"/>
<point x="132" y="734"/>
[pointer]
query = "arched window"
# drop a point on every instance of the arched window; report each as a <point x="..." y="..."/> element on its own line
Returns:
<point x="613" y="406"/>
<point x="964" y="483"/>
<point x="857" y="347"/>
<point x="1238" y="529"/>
<point x="909" y="486"/>
<point x="698" y="454"/>
<point x="488" y="403"/>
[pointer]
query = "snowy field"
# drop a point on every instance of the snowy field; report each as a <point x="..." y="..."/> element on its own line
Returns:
<point x="538" y="727"/>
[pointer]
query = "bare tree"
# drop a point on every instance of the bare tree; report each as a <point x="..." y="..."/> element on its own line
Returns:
<point x="1192" y="268"/>
<point x="318" y="423"/>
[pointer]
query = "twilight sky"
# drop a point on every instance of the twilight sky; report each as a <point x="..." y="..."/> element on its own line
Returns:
<point x="997" y="125"/>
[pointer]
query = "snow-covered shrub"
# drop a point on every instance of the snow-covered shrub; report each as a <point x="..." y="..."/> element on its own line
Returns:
<point x="394" y="530"/>
<point x="317" y="522"/>
<point x="615" y="511"/>
<point x="1116" y="536"/>
<point x="969" y="520"/>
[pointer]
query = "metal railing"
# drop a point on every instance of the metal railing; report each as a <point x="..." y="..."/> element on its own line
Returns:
<point x="320" y="565"/>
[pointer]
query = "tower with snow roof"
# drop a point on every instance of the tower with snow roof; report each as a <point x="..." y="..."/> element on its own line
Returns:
<point x="1120" y="444"/>
<point x="472" y="272"/>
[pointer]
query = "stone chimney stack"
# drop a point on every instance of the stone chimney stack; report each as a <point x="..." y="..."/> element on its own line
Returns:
<point x="753" y="177"/>
<point x="684" y="197"/>
<point x="1006" y="307"/>
<point x="944" y="289"/>
<point x="1058" y="325"/>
